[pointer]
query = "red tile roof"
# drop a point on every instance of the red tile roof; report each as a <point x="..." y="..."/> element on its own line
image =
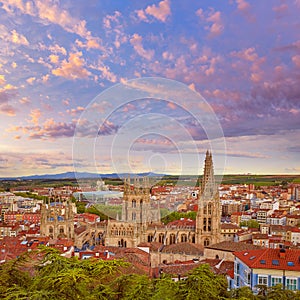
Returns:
<point x="280" y="259"/>
<point x="182" y="223"/>
<point x="232" y="246"/>
<point x="186" y="248"/>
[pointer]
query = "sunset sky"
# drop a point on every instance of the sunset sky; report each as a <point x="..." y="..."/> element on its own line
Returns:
<point x="57" y="57"/>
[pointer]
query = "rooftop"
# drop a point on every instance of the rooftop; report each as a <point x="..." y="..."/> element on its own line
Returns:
<point x="281" y="259"/>
<point x="232" y="246"/>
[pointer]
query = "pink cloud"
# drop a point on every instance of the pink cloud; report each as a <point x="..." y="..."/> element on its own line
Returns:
<point x="8" y="110"/>
<point x="296" y="60"/>
<point x="136" y="42"/>
<point x="75" y="111"/>
<point x="161" y="12"/>
<point x="35" y="115"/>
<point x="246" y="54"/>
<point x="214" y="17"/>
<point x="73" y="68"/>
<point x="242" y="5"/>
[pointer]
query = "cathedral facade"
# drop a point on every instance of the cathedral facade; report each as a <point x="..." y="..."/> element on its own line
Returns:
<point x="140" y="219"/>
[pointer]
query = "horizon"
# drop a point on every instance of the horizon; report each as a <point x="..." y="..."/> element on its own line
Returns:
<point x="149" y="87"/>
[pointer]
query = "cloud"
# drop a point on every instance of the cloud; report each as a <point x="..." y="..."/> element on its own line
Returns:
<point x="25" y="162"/>
<point x="8" y="110"/>
<point x="160" y="12"/>
<point x="24" y="100"/>
<point x="106" y="73"/>
<point x="75" y="111"/>
<point x="13" y="36"/>
<point x="248" y="54"/>
<point x="296" y="60"/>
<point x="54" y="59"/>
<point x="73" y="68"/>
<point x="49" y="11"/>
<point x="35" y="115"/>
<point x="52" y="129"/>
<point x="217" y="26"/>
<point x="136" y="42"/>
<point x="57" y="49"/>
<point x="107" y="128"/>
<point x="19" y="39"/>
<point x="109" y="19"/>
<point x="2" y="79"/>
<point x="280" y="10"/>
<point x="242" y="5"/>
<point x="31" y="80"/>
<point x="91" y="43"/>
<point x="7" y="93"/>
<point x="214" y="17"/>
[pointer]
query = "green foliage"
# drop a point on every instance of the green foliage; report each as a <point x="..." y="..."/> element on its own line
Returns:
<point x="242" y="293"/>
<point x="167" y="289"/>
<point x="202" y="283"/>
<point x="175" y="215"/>
<point x="31" y="195"/>
<point x="250" y="224"/>
<point x="52" y="277"/>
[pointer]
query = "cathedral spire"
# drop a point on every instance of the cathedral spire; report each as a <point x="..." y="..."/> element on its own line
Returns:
<point x="208" y="180"/>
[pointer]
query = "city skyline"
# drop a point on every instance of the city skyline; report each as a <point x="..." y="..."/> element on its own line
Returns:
<point x="242" y="57"/>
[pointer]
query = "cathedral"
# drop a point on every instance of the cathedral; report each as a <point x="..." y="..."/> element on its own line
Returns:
<point x="140" y="219"/>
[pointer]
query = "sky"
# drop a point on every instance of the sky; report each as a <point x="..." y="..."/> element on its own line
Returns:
<point x="72" y="72"/>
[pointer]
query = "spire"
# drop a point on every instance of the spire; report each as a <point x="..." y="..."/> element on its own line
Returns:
<point x="208" y="180"/>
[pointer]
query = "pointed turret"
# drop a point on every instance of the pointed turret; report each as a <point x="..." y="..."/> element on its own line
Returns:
<point x="209" y="209"/>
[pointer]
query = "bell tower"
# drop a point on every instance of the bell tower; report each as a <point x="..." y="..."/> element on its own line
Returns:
<point x="57" y="219"/>
<point x="208" y="222"/>
<point x="136" y="201"/>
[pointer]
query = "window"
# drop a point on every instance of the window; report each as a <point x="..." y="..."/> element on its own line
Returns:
<point x="206" y="242"/>
<point x="134" y="203"/>
<point x="247" y="276"/>
<point x="291" y="284"/>
<point x="263" y="261"/>
<point x="276" y="280"/>
<point x="237" y="280"/>
<point x="183" y="238"/>
<point x="172" y="238"/>
<point x="161" y="238"/>
<point x="275" y="262"/>
<point x="237" y="267"/>
<point x="262" y="279"/>
<point x="133" y="216"/>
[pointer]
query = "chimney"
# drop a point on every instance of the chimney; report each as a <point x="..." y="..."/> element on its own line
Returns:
<point x="282" y="253"/>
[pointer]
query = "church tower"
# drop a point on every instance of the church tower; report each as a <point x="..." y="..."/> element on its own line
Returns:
<point x="57" y="219"/>
<point x="136" y="201"/>
<point x="137" y="214"/>
<point x="208" y="222"/>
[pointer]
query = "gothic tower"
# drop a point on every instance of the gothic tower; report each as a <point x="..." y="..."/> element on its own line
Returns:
<point x="137" y="213"/>
<point x="57" y="219"/>
<point x="136" y="201"/>
<point x="208" y="222"/>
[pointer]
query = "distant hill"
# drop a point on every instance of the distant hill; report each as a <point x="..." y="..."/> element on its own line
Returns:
<point x="80" y="175"/>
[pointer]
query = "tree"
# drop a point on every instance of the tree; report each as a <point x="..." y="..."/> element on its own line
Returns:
<point x="167" y="289"/>
<point x="243" y="293"/>
<point x="202" y="283"/>
<point x="250" y="224"/>
<point x="133" y="286"/>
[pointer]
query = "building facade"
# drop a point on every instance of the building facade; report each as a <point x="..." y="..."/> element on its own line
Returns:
<point x="267" y="267"/>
